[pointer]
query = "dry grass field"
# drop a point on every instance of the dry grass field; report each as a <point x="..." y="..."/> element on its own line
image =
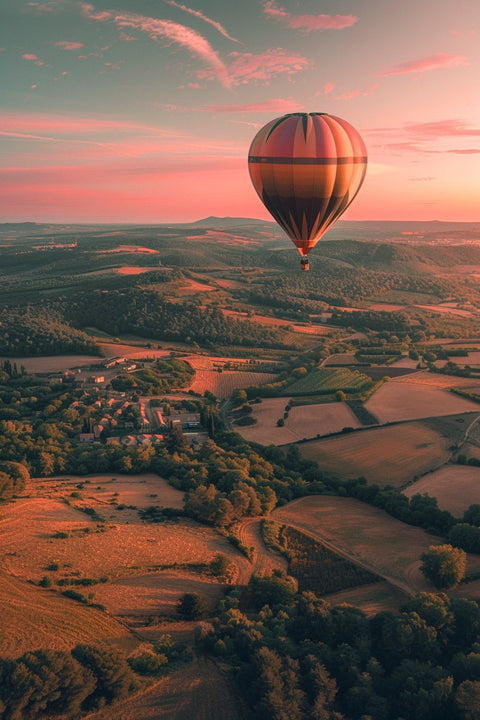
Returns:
<point x="424" y="377"/>
<point x="341" y="359"/>
<point x="405" y="400"/>
<point x="391" y="455"/>
<point x="303" y="421"/>
<point x="367" y="534"/>
<point x="146" y="566"/>
<point x="456" y="487"/>
<point x="134" y="269"/>
<point x="32" y="618"/>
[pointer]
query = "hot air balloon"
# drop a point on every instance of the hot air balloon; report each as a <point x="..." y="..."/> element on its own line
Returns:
<point x="307" y="169"/>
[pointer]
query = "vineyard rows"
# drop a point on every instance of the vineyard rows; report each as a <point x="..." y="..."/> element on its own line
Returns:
<point x="325" y="380"/>
<point x="318" y="569"/>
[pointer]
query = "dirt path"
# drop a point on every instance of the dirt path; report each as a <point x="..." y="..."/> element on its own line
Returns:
<point x="264" y="561"/>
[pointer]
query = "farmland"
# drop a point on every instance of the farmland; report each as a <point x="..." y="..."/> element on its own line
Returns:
<point x="366" y="534"/>
<point x="392" y="455"/>
<point x="222" y="384"/>
<point x="303" y="421"/>
<point x="401" y="399"/>
<point x="456" y="487"/>
<point x="319" y="569"/>
<point x="325" y="380"/>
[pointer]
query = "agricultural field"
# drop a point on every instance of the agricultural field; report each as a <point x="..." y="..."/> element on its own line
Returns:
<point x="319" y="569"/>
<point x="400" y="400"/>
<point x="367" y="535"/>
<point x="222" y="384"/>
<point x="424" y="377"/>
<point x="392" y="455"/>
<point x="325" y="380"/>
<point x="303" y="421"/>
<point x="456" y="487"/>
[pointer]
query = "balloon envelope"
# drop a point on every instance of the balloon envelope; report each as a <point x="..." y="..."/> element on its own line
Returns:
<point x="307" y="169"/>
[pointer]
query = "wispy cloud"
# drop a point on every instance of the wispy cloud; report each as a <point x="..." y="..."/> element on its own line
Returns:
<point x="203" y="17"/>
<point x="33" y="58"/>
<point x="426" y="137"/>
<point x="247" y="67"/>
<point x="90" y="12"/>
<point x="465" y="151"/>
<point x="169" y="32"/>
<point x="307" y="23"/>
<point x="50" y="6"/>
<point x="275" y="105"/>
<point x="42" y="124"/>
<point x="68" y="45"/>
<point x="442" y="128"/>
<point x="356" y="93"/>
<point x="437" y="61"/>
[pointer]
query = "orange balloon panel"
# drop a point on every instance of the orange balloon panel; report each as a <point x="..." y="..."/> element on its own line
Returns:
<point x="307" y="169"/>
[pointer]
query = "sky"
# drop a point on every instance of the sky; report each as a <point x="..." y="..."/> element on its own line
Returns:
<point x="143" y="112"/>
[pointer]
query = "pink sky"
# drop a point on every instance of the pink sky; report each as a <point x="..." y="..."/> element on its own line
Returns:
<point x="118" y="114"/>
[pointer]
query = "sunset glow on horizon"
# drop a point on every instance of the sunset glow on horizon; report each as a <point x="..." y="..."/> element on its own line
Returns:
<point x="144" y="113"/>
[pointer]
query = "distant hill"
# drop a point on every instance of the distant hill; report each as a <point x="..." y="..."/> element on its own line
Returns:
<point x="229" y="222"/>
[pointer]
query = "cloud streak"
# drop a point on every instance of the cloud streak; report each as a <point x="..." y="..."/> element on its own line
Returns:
<point x="201" y="16"/>
<point x="307" y="23"/>
<point x="275" y="105"/>
<point x="437" y="61"/>
<point x="169" y="32"/>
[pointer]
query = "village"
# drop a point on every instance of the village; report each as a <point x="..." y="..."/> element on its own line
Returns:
<point x="123" y="417"/>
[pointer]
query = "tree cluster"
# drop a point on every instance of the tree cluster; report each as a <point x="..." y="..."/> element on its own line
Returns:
<point x="147" y="313"/>
<point x="53" y="683"/>
<point x="298" y="658"/>
<point x="33" y="331"/>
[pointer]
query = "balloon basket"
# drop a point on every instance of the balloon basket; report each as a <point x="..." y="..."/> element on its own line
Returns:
<point x="304" y="264"/>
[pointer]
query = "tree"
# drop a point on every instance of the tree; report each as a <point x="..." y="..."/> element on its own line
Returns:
<point x="192" y="606"/>
<point x="468" y="699"/>
<point x="444" y="565"/>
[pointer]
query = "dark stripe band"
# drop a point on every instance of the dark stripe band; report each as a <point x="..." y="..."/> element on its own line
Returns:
<point x="357" y="160"/>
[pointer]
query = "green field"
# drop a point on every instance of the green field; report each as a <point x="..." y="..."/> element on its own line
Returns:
<point x="329" y="380"/>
